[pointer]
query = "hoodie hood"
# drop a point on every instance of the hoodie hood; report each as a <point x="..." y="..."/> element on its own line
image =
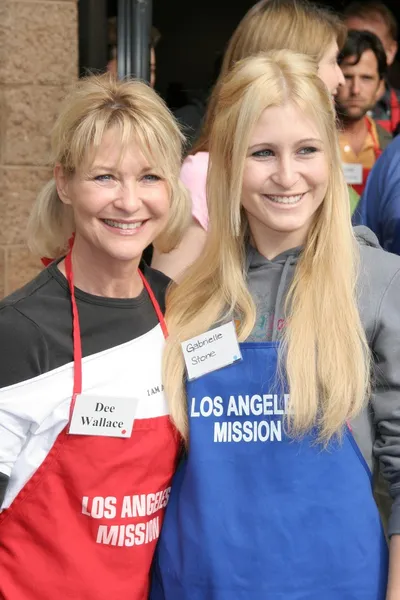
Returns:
<point x="366" y="237"/>
<point x="269" y="282"/>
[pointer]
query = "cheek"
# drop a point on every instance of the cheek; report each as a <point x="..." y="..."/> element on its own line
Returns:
<point x="320" y="177"/>
<point x="159" y="201"/>
<point x="91" y="198"/>
<point x="254" y="176"/>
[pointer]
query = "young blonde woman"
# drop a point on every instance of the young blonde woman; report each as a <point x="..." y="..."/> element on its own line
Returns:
<point x="274" y="498"/>
<point x="269" y="25"/>
<point x="87" y="450"/>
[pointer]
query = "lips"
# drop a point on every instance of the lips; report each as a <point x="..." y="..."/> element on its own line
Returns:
<point x="287" y="200"/>
<point x="126" y="225"/>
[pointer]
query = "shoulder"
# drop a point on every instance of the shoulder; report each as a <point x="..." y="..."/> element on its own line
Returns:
<point x="194" y="169"/>
<point x="23" y="316"/>
<point x="26" y="353"/>
<point x="379" y="278"/>
<point x="378" y="263"/>
<point x="385" y="138"/>
<point x="386" y="170"/>
<point x="194" y="176"/>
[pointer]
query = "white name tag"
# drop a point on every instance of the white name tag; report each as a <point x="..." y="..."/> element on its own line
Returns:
<point x="353" y="173"/>
<point x="97" y="415"/>
<point x="210" y="351"/>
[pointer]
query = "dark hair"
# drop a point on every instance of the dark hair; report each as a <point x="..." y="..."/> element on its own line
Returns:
<point x="371" y="9"/>
<point x="357" y="43"/>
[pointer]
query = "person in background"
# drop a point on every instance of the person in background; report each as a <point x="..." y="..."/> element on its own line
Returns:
<point x="273" y="498"/>
<point x="379" y="206"/>
<point x="270" y="24"/>
<point x="112" y="65"/>
<point x="363" y="63"/>
<point x="375" y="16"/>
<point x="191" y="114"/>
<point x="87" y="449"/>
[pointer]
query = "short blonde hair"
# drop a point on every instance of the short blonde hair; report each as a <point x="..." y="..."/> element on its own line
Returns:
<point x="96" y="104"/>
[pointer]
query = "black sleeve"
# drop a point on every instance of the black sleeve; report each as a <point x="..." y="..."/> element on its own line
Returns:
<point x="23" y="349"/>
<point x="158" y="283"/>
<point x="3" y="486"/>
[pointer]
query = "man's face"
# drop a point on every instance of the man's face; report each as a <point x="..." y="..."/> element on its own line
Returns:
<point x="380" y="29"/>
<point x="358" y="95"/>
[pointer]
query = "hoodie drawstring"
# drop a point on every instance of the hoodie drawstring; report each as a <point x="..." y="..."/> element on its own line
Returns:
<point x="279" y="297"/>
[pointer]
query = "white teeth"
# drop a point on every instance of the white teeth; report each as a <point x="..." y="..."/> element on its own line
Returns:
<point x="120" y="225"/>
<point x="285" y="199"/>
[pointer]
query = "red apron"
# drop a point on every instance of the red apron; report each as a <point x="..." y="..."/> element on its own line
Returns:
<point x="359" y="188"/>
<point x="65" y="535"/>
<point x="390" y="125"/>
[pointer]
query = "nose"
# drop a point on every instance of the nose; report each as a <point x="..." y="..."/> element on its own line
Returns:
<point x="341" y="79"/>
<point x="286" y="174"/>
<point x="355" y="86"/>
<point x="128" y="198"/>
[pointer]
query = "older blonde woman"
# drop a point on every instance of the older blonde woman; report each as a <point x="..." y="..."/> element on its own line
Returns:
<point x="274" y="498"/>
<point x="87" y="450"/>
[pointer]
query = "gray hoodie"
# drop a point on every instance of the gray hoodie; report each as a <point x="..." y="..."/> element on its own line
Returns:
<point x="377" y="428"/>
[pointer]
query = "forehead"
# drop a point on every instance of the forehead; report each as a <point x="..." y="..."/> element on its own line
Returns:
<point x="284" y="124"/>
<point x="368" y="63"/>
<point x="373" y="24"/>
<point x="114" y="150"/>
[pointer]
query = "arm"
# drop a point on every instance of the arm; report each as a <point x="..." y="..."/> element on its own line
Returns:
<point x="386" y="406"/>
<point x="393" y="591"/>
<point x="25" y="357"/>
<point x="193" y="176"/>
<point x="176" y="262"/>
<point x="379" y="206"/>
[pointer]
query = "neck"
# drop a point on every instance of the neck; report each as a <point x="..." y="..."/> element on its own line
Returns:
<point x="101" y="275"/>
<point x="352" y="127"/>
<point x="272" y="243"/>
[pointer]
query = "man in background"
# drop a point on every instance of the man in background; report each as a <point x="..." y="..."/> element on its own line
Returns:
<point x="375" y="16"/>
<point x="112" y="65"/>
<point x="363" y="63"/>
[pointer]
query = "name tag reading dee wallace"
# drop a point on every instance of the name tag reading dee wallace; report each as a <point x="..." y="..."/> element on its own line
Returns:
<point x="210" y="351"/>
<point x="98" y="415"/>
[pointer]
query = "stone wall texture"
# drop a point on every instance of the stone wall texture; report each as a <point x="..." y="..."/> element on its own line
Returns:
<point x="38" y="62"/>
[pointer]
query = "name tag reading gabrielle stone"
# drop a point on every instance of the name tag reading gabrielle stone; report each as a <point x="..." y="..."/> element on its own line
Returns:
<point x="101" y="416"/>
<point x="210" y="351"/>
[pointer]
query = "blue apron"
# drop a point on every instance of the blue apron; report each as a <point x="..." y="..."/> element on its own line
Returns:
<point x="256" y="515"/>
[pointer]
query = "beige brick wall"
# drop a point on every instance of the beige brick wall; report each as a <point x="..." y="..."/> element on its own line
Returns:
<point x="38" y="61"/>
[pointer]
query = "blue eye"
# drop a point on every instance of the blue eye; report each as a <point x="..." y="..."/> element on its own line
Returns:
<point x="262" y="154"/>
<point x="308" y="150"/>
<point x="151" y="178"/>
<point x="106" y="177"/>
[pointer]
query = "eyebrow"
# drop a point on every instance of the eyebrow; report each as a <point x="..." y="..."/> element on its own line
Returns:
<point x="114" y="168"/>
<point x="297" y="143"/>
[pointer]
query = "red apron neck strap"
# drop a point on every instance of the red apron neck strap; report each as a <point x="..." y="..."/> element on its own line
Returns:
<point x="76" y="333"/>
<point x="394" y="110"/>
<point x="155" y="304"/>
<point x="375" y="141"/>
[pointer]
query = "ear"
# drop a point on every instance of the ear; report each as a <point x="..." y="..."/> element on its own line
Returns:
<point x="62" y="184"/>
<point x="391" y="51"/>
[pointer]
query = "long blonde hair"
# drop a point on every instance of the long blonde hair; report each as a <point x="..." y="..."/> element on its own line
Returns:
<point x="95" y="105"/>
<point x="325" y="352"/>
<point x="296" y="25"/>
